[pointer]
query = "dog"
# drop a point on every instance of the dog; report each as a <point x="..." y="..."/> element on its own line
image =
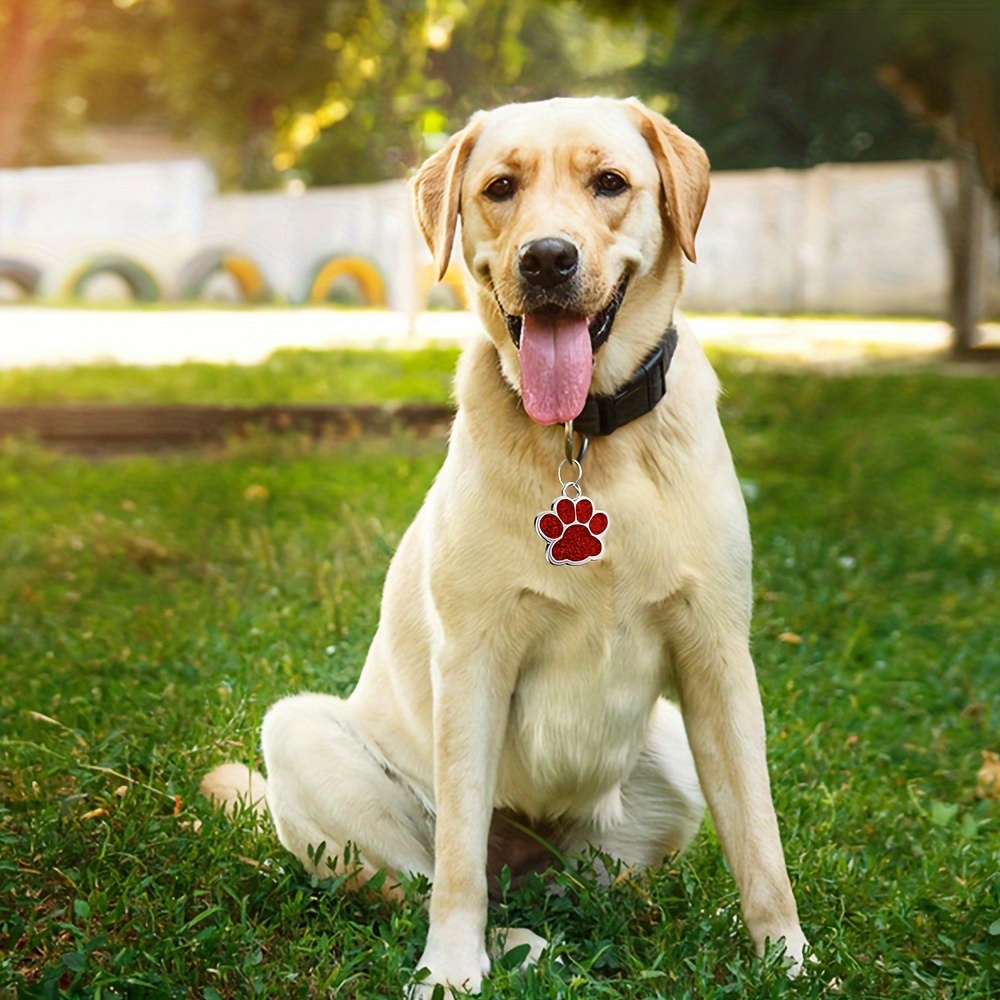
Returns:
<point x="573" y="672"/>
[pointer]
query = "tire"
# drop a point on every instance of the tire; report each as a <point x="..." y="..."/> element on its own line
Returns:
<point x="249" y="278"/>
<point x="452" y="281"/>
<point x="365" y="275"/>
<point x="141" y="282"/>
<point x="20" y="273"/>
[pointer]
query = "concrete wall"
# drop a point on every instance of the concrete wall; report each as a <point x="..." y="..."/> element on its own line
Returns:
<point x="160" y="215"/>
<point x="58" y="217"/>
<point x="865" y="239"/>
<point x="289" y="236"/>
<point x="850" y="238"/>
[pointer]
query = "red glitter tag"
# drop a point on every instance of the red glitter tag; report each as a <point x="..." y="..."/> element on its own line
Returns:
<point x="570" y="530"/>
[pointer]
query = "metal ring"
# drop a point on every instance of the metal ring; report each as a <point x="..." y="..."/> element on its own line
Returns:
<point x="579" y="472"/>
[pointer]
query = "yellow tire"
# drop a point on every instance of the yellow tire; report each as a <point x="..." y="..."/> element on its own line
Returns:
<point x="249" y="278"/>
<point x="363" y="272"/>
<point x="453" y="280"/>
<point x="247" y="275"/>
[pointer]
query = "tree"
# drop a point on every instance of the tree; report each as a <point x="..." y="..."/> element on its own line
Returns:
<point x="331" y="91"/>
<point x="231" y="68"/>
<point x="34" y="34"/>
<point x="363" y="123"/>
<point x="406" y="77"/>
<point x="942" y="59"/>
<point x="225" y="74"/>
<point x="757" y="100"/>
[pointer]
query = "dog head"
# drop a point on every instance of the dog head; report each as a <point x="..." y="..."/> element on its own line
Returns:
<point x="574" y="217"/>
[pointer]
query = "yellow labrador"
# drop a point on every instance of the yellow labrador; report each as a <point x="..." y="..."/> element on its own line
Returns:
<point x="527" y="648"/>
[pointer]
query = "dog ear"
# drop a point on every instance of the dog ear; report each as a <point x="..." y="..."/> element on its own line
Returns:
<point x="436" y="188"/>
<point x="683" y="167"/>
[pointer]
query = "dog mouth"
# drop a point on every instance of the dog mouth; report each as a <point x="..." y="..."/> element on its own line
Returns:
<point x="598" y="326"/>
<point x="556" y="348"/>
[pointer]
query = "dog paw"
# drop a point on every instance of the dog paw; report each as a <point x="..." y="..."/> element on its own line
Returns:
<point x="425" y="991"/>
<point x="452" y="964"/>
<point x="797" y="957"/>
<point x="451" y="987"/>
<point x="503" y="941"/>
<point x="570" y="530"/>
<point x="234" y="787"/>
<point x="801" y="966"/>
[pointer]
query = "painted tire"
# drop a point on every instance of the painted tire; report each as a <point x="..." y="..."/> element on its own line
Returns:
<point x="249" y="278"/>
<point x="452" y="280"/>
<point x="20" y="273"/>
<point x="362" y="272"/>
<point x="141" y="283"/>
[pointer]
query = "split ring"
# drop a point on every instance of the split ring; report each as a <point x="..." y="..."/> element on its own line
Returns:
<point x="579" y="472"/>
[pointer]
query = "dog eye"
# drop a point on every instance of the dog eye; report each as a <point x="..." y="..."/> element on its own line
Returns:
<point x="609" y="183"/>
<point x="500" y="189"/>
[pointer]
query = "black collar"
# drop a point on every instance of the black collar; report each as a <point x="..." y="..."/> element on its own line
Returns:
<point x="638" y="396"/>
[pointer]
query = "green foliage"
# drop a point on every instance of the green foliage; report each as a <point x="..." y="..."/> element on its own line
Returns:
<point x="331" y="91"/>
<point x="59" y="56"/>
<point x="366" y="125"/>
<point x="227" y="67"/>
<point x="328" y="91"/>
<point x="150" y="610"/>
<point x="756" y="100"/>
<point x="811" y="66"/>
<point x="432" y="67"/>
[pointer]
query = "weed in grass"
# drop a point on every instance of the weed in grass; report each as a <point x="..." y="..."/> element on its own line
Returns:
<point x="150" y="610"/>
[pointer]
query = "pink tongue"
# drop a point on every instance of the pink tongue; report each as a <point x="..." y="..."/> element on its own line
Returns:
<point x="556" y="364"/>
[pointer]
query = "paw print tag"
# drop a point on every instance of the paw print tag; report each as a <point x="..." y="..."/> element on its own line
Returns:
<point x="572" y="527"/>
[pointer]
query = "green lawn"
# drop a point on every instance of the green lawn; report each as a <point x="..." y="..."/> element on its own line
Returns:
<point x="151" y="609"/>
<point x="287" y="376"/>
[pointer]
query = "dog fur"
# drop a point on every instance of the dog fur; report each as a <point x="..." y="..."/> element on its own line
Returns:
<point x="596" y="703"/>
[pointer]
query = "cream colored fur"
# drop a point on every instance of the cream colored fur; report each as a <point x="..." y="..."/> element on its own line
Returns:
<point x="498" y="680"/>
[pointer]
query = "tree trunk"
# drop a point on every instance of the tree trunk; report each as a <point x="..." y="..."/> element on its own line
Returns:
<point x="967" y="114"/>
<point x="966" y="246"/>
<point x="979" y="120"/>
<point x="21" y="55"/>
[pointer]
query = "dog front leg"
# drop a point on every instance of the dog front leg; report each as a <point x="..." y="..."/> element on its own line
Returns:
<point x="470" y="717"/>
<point x="724" y="719"/>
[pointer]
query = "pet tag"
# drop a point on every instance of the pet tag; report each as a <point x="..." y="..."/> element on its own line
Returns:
<point x="572" y="527"/>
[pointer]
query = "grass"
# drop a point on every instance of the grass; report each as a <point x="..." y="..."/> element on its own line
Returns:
<point x="287" y="376"/>
<point x="151" y="609"/>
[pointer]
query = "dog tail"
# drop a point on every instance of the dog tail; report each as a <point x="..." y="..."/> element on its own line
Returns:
<point x="235" y="785"/>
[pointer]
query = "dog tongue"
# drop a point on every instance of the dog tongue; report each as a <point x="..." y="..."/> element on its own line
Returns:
<point x="556" y="364"/>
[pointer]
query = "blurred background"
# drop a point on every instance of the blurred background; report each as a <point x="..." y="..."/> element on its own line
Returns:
<point x="247" y="151"/>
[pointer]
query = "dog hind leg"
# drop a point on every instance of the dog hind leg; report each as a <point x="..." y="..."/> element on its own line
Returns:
<point x="661" y="801"/>
<point x="328" y="785"/>
<point x="235" y="786"/>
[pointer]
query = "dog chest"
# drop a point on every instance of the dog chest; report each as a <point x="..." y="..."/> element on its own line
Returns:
<point x="579" y="714"/>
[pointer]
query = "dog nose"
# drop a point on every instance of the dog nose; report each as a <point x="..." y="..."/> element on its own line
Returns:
<point x="548" y="262"/>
